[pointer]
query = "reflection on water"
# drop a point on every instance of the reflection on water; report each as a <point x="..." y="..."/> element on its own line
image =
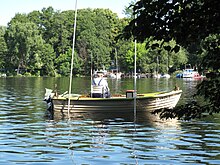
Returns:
<point x="27" y="136"/>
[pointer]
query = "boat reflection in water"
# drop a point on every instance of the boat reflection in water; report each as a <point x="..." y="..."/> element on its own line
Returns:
<point x="146" y="118"/>
<point x="102" y="135"/>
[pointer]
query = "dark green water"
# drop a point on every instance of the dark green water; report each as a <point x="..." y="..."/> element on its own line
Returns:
<point x="28" y="136"/>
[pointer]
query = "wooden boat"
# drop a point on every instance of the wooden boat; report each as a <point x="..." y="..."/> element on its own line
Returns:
<point x="117" y="103"/>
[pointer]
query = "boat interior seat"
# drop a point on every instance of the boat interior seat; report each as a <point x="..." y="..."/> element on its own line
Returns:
<point x="97" y="91"/>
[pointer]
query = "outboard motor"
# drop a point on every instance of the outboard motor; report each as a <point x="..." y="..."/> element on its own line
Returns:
<point x="48" y="98"/>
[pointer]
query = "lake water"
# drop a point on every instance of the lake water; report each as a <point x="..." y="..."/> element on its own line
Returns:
<point x="28" y="135"/>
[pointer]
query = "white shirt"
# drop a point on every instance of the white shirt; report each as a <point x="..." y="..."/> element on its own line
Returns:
<point x="100" y="81"/>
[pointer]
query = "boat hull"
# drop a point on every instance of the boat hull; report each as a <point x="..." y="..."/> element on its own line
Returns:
<point x="190" y="73"/>
<point x="143" y="103"/>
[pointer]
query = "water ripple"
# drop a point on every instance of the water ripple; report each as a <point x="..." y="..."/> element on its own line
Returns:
<point x="27" y="136"/>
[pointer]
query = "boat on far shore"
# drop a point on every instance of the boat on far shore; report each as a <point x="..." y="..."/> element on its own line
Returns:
<point x="189" y="73"/>
<point x="165" y="75"/>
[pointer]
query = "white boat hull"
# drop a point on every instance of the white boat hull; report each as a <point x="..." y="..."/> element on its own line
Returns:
<point x="119" y="104"/>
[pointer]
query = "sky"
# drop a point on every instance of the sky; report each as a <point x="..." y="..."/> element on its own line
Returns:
<point x="8" y="8"/>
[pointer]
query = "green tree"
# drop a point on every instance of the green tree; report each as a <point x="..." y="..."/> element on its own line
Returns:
<point x="189" y="23"/>
<point x="141" y="56"/>
<point x="163" y="55"/>
<point x="47" y="22"/>
<point x="184" y="21"/>
<point x="128" y="10"/>
<point x="97" y="29"/>
<point x="152" y="55"/>
<point x="122" y="47"/>
<point x="57" y="30"/>
<point x="95" y="34"/>
<point x="209" y="89"/>
<point x="64" y="63"/>
<point x="36" y="17"/>
<point x="47" y="56"/>
<point x="3" y="48"/>
<point x="25" y="44"/>
<point x="61" y="31"/>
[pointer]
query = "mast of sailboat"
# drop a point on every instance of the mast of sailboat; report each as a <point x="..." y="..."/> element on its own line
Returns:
<point x="73" y="48"/>
<point x="116" y="62"/>
<point x="157" y="68"/>
<point x="135" y="75"/>
<point x="91" y="75"/>
<point x="135" y="72"/>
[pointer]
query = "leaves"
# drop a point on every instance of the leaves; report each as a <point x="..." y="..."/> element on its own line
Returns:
<point x="23" y="38"/>
<point x="210" y="52"/>
<point x="185" y="21"/>
<point x="193" y="25"/>
<point x="26" y="36"/>
<point x="3" y="47"/>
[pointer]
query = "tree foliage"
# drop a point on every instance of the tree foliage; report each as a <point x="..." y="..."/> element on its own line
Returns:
<point x="3" y="47"/>
<point x="22" y="39"/>
<point x="185" y="21"/>
<point x="152" y="55"/>
<point x="192" y="24"/>
<point x="40" y="43"/>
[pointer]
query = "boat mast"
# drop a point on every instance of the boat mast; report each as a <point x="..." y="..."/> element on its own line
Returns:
<point x="116" y="62"/>
<point x="91" y="68"/>
<point x="135" y="72"/>
<point x="71" y="69"/>
<point x="135" y="76"/>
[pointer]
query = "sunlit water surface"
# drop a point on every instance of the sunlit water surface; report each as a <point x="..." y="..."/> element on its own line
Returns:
<point x="28" y="135"/>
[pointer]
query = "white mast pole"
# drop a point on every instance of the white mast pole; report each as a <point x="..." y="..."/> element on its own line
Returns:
<point x="91" y="76"/>
<point x="135" y="70"/>
<point x="116" y="62"/>
<point x="71" y="70"/>
<point x="135" y="76"/>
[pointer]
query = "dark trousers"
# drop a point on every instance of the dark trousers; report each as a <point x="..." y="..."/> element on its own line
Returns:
<point x="99" y="95"/>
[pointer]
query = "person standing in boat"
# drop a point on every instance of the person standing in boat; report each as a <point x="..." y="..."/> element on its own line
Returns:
<point x="99" y="80"/>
